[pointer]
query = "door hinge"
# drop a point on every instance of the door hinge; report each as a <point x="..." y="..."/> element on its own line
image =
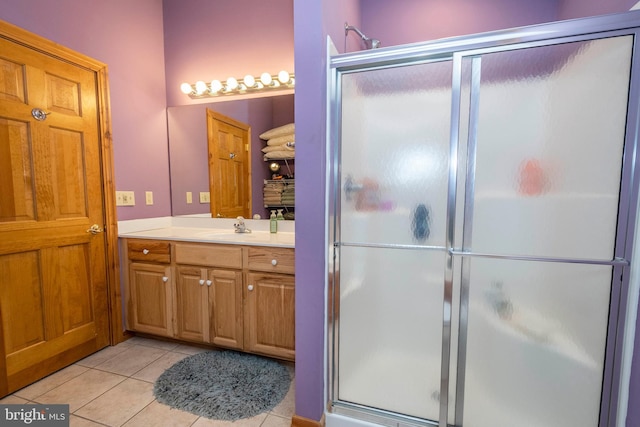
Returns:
<point x="246" y="147"/>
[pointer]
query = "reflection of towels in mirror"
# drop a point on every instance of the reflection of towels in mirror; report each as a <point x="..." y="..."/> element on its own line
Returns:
<point x="281" y="140"/>
<point x="287" y="129"/>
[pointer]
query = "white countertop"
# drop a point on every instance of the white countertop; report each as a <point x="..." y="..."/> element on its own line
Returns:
<point x="208" y="230"/>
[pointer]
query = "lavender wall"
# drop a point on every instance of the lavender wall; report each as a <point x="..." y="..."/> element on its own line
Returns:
<point x="206" y="40"/>
<point x="127" y="36"/>
<point x="570" y="9"/>
<point x="408" y="21"/>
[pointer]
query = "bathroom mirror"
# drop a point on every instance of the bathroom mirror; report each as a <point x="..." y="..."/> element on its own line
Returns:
<point x="188" y="156"/>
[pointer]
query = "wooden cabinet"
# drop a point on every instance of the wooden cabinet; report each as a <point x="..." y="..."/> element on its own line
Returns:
<point x="269" y="311"/>
<point x="232" y="296"/>
<point x="269" y="314"/>
<point x="150" y="303"/>
<point x="209" y="306"/>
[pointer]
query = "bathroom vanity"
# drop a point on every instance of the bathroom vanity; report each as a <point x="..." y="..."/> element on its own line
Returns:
<point x="212" y="286"/>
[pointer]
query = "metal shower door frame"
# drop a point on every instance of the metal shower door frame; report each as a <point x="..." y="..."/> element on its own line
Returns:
<point x="456" y="49"/>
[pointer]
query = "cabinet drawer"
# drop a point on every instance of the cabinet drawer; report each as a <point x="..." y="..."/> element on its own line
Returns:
<point x="281" y="260"/>
<point x="209" y="255"/>
<point x="149" y="250"/>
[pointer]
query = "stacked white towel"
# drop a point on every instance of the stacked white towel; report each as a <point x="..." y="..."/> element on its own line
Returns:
<point x="281" y="142"/>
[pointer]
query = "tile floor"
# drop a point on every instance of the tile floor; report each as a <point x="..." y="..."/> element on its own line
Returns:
<point x="114" y="387"/>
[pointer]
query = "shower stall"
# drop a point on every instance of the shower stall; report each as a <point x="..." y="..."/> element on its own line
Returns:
<point x="482" y="207"/>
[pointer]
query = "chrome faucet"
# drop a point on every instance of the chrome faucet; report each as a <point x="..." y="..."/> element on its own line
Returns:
<point x="240" y="226"/>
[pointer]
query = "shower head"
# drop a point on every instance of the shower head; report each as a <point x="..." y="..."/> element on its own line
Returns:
<point x="369" y="43"/>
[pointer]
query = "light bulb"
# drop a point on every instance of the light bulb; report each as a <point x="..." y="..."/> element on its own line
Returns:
<point x="283" y="76"/>
<point x="232" y="83"/>
<point x="216" y="86"/>
<point x="201" y="87"/>
<point x="186" y="88"/>
<point x="266" y="79"/>
<point x="249" y="80"/>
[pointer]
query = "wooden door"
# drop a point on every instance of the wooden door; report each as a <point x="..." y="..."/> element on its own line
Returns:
<point x="192" y="304"/>
<point x="229" y="166"/>
<point x="53" y="279"/>
<point x="225" y="302"/>
<point x="151" y="303"/>
<point x="270" y="314"/>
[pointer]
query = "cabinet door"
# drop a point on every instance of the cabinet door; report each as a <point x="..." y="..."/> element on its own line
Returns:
<point x="270" y="314"/>
<point x="225" y="308"/>
<point x="192" y="310"/>
<point x="150" y="304"/>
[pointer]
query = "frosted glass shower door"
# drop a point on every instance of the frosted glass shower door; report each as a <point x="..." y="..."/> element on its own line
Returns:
<point x="539" y="251"/>
<point x="394" y="155"/>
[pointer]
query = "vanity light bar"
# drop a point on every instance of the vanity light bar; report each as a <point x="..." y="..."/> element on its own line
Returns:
<point x="232" y="86"/>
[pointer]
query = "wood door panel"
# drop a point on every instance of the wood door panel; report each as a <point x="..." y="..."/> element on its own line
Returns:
<point x="192" y="307"/>
<point x="12" y="85"/>
<point x="63" y="95"/>
<point x="75" y="287"/>
<point x="16" y="197"/>
<point x="68" y="180"/>
<point x="225" y="301"/>
<point x="21" y="301"/>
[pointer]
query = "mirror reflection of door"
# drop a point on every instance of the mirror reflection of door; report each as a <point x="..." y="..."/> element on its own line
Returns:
<point x="228" y="142"/>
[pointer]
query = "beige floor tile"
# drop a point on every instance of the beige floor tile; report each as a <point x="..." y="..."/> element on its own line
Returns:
<point x="119" y="403"/>
<point x="276" y="421"/>
<point x="13" y="400"/>
<point x="149" y="342"/>
<point x="103" y="355"/>
<point x="190" y="349"/>
<point x="82" y="389"/>
<point x="287" y="407"/>
<point x="131" y="360"/>
<point x="50" y="382"/>
<point x="157" y="414"/>
<point x="152" y="371"/>
<point x="245" y="422"/>
<point x="75" y="421"/>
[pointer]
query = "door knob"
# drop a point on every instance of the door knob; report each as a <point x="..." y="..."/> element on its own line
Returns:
<point x="201" y="281"/>
<point x="95" y="229"/>
<point x="250" y="287"/>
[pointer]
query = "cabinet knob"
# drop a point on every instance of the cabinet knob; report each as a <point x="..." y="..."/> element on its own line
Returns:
<point x="209" y="282"/>
<point x="250" y="287"/>
<point x="274" y="262"/>
<point x="165" y="279"/>
<point x="202" y="281"/>
<point x="145" y="251"/>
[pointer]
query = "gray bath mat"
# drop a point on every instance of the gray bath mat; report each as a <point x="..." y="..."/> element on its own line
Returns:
<point x="224" y="385"/>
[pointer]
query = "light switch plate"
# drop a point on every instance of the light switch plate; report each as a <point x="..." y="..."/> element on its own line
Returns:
<point x="125" y="198"/>
<point x="204" y="197"/>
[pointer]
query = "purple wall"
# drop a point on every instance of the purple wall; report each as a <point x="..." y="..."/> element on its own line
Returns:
<point x="128" y="37"/>
<point x="570" y="9"/>
<point x="407" y="21"/>
<point x="206" y="40"/>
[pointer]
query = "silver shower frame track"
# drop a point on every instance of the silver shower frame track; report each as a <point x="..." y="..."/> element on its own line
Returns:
<point x="456" y="49"/>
